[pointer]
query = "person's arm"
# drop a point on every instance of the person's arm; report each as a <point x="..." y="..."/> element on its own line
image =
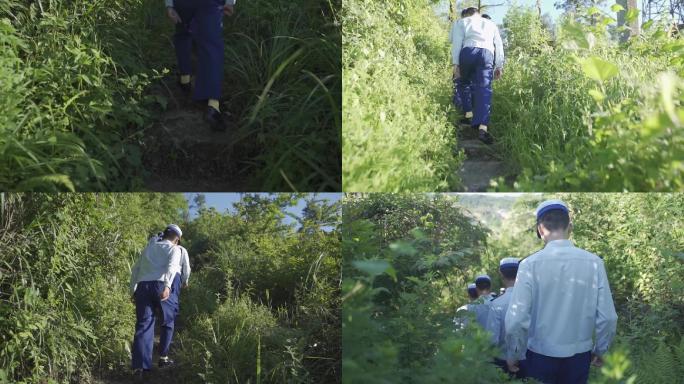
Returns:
<point x="494" y="324"/>
<point x="185" y="266"/>
<point x="231" y="2"/>
<point x="457" y="36"/>
<point x="174" y="260"/>
<point x="169" y="3"/>
<point x="498" y="50"/>
<point x="606" y="318"/>
<point x="134" y="277"/>
<point x="518" y="314"/>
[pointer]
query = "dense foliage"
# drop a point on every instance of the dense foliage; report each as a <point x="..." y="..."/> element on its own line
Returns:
<point x="78" y="103"/>
<point x="404" y="278"/>
<point x="581" y="112"/>
<point x="396" y="133"/>
<point x="262" y="305"/>
<point x="575" y="109"/>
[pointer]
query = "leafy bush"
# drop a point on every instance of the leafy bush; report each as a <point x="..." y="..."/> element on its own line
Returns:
<point x="66" y="313"/>
<point x="583" y="114"/>
<point x="396" y="133"/>
<point x="74" y="118"/>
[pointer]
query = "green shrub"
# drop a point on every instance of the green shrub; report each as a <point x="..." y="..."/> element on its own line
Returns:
<point x="396" y="134"/>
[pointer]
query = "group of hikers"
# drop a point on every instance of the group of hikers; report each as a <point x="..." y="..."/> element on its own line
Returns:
<point x="555" y="317"/>
<point x="201" y="22"/>
<point x="156" y="281"/>
<point x="477" y="56"/>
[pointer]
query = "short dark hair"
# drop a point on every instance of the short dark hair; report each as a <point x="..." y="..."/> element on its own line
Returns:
<point x="509" y="272"/>
<point x="554" y="220"/>
<point x="170" y="234"/>
<point x="469" y="11"/>
<point x="483" y="284"/>
<point x="472" y="292"/>
<point x="486" y="16"/>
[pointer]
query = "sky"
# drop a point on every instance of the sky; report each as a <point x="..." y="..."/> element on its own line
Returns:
<point x="224" y="201"/>
<point x="498" y="13"/>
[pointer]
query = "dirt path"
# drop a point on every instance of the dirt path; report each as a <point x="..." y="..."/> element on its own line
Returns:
<point x="182" y="153"/>
<point x="483" y="163"/>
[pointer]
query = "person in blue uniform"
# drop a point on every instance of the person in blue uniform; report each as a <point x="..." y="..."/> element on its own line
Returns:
<point x="508" y="268"/>
<point x="561" y="315"/>
<point x="155" y="283"/>
<point x="477" y="57"/>
<point x="201" y="21"/>
<point x="480" y="307"/>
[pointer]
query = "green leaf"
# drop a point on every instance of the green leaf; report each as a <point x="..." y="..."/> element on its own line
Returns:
<point x="598" y="69"/>
<point x="617" y="8"/>
<point x="597" y="95"/>
<point x="375" y="267"/>
<point x="647" y="25"/>
<point x="631" y="15"/>
<point x="403" y="248"/>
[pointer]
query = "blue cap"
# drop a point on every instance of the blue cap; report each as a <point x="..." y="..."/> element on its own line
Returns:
<point x="550" y="205"/>
<point x="509" y="262"/>
<point x="482" y="277"/>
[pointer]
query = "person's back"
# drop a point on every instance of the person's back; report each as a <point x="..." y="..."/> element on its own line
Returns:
<point x="154" y="261"/>
<point x="561" y="300"/>
<point x="478" y="32"/>
<point x="562" y="280"/>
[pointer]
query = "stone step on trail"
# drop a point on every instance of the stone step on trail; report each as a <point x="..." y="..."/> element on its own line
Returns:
<point x="483" y="162"/>
<point x="185" y="153"/>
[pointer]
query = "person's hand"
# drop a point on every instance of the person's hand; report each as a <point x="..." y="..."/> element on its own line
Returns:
<point x="173" y="15"/>
<point x="133" y="299"/>
<point x="186" y="285"/>
<point x="228" y="10"/>
<point x="165" y="295"/>
<point x="596" y="361"/>
<point x="512" y="366"/>
<point x="457" y="72"/>
<point x="497" y="73"/>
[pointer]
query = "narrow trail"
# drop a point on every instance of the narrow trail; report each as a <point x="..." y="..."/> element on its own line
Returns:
<point x="182" y="153"/>
<point x="483" y="162"/>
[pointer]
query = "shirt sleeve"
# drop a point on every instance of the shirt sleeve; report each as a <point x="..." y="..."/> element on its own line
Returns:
<point x="517" y="320"/>
<point x="169" y="3"/>
<point x="498" y="49"/>
<point x="606" y="318"/>
<point x="185" y="266"/>
<point x="134" y="277"/>
<point x="231" y="2"/>
<point x="457" y="36"/>
<point x="494" y="324"/>
<point x="174" y="260"/>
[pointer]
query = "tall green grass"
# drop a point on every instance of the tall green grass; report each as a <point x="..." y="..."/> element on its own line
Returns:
<point x="76" y="91"/>
<point x="584" y="113"/>
<point x="397" y="136"/>
<point x="66" y="314"/>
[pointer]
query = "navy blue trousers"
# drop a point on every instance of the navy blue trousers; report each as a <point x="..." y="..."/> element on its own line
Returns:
<point x="463" y="99"/>
<point x="477" y="70"/>
<point x="202" y="23"/>
<point x="558" y="370"/>
<point x="146" y="301"/>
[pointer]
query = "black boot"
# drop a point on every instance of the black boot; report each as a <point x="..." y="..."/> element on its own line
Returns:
<point x="164" y="363"/>
<point x="465" y="120"/>
<point x="215" y="120"/>
<point x="485" y="137"/>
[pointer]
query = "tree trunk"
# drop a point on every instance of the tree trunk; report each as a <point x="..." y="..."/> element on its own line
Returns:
<point x="621" y="15"/>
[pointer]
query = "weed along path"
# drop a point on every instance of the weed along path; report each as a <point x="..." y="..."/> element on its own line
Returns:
<point x="483" y="164"/>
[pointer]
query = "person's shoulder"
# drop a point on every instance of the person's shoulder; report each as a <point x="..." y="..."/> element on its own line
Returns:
<point x="531" y="258"/>
<point x="590" y="255"/>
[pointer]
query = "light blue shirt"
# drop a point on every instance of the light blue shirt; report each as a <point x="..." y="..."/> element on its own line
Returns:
<point x="481" y="308"/>
<point x="476" y="31"/>
<point x="184" y="265"/>
<point x="561" y="298"/>
<point x="159" y="261"/>
<point x="496" y="324"/>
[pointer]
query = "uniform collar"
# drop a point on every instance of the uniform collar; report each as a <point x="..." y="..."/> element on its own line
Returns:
<point x="559" y="243"/>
